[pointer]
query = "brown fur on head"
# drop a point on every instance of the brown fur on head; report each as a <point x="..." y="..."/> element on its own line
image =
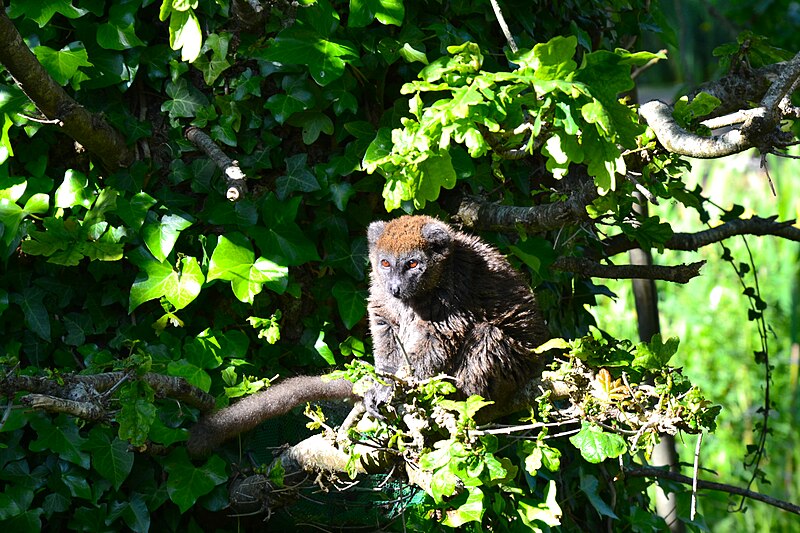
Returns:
<point x="404" y="234"/>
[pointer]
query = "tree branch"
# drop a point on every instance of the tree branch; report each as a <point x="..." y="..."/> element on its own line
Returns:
<point x="586" y="267"/>
<point x="694" y="241"/>
<point x="759" y="125"/>
<point x="650" y="471"/>
<point x="81" y="395"/>
<point x="234" y="177"/>
<point x="480" y="215"/>
<point x="90" y="130"/>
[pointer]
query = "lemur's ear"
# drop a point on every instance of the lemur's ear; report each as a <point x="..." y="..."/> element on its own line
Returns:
<point x="374" y="231"/>
<point x="437" y="234"/>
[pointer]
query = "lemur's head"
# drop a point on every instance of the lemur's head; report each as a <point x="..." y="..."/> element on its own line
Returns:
<point x="408" y="254"/>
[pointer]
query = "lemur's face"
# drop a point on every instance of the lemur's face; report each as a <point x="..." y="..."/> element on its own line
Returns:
<point x="407" y="255"/>
<point x="402" y="275"/>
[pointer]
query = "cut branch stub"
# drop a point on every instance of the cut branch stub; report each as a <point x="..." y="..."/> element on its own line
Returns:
<point x="234" y="177"/>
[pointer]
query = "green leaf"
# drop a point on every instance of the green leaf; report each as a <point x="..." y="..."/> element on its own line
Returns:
<point x="63" y="64"/>
<point x="313" y="123"/>
<point x="212" y="68"/>
<point x="74" y="191"/>
<point x="185" y="34"/>
<point x="655" y="355"/>
<point x="324" y="350"/>
<point x="597" y="445"/>
<point x="154" y="280"/>
<point x="589" y="486"/>
<point x="350" y="301"/>
<point x="185" y="100"/>
<point x="551" y="60"/>
<point x="324" y="57"/>
<point x="134" y="211"/>
<point x="59" y="435"/>
<point x="297" y="177"/>
<point x="186" y="482"/>
<point x="470" y="511"/>
<point x="137" y="412"/>
<point x="190" y="283"/>
<point x="37" y="319"/>
<point x="362" y="12"/>
<point x="233" y="260"/>
<point x="160" y="236"/>
<point x="119" y="32"/>
<point x="194" y="375"/>
<point x="111" y="458"/>
<point x="534" y="513"/>
<point x="42" y="11"/>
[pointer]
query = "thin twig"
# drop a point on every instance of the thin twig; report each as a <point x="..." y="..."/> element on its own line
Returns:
<point x="503" y="26"/>
<point x="652" y="471"/>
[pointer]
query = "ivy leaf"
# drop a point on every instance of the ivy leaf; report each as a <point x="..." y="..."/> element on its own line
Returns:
<point x="362" y="12"/>
<point x="313" y="123"/>
<point x="137" y="412"/>
<point x="193" y="374"/>
<point x="160" y="236"/>
<point x="350" y="301"/>
<point x="589" y="485"/>
<point x="59" y="435"/>
<point x="185" y="34"/>
<point x="233" y="260"/>
<point x="42" y="12"/>
<point x="597" y="445"/>
<point x="185" y="99"/>
<point x="110" y="457"/>
<point x="470" y="511"/>
<point x="324" y="350"/>
<point x="37" y="319"/>
<point x="297" y="177"/>
<point x="535" y="512"/>
<point x="190" y="282"/>
<point x="324" y="57"/>
<point x="119" y="32"/>
<point x="74" y="191"/>
<point x="352" y="259"/>
<point x="154" y="281"/>
<point x="63" y="64"/>
<point x="186" y="482"/>
<point x="212" y="68"/>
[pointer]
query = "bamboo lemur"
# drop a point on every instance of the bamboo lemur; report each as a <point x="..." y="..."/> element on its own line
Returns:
<point x="440" y="302"/>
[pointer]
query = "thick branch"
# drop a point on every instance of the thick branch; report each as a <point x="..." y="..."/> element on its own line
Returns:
<point x="83" y="393"/>
<point x="694" y="241"/>
<point x="759" y="125"/>
<point x="649" y="471"/>
<point x="586" y="267"/>
<point x="88" y="129"/>
<point x="234" y="177"/>
<point x="477" y="214"/>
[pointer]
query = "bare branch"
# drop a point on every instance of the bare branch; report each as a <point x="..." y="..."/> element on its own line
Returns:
<point x="694" y="241"/>
<point x="758" y="126"/>
<point x="649" y="471"/>
<point x="477" y="214"/>
<point x="89" y="129"/>
<point x="586" y="267"/>
<point x="80" y="395"/>
<point x="234" y="177"/>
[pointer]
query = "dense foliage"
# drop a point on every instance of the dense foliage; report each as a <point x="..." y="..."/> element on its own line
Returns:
<point x="126" y="269"/>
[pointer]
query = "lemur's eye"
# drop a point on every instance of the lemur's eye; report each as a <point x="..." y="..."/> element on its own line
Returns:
<point x="412" y="264"/>
<point x="385" y="263"/>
